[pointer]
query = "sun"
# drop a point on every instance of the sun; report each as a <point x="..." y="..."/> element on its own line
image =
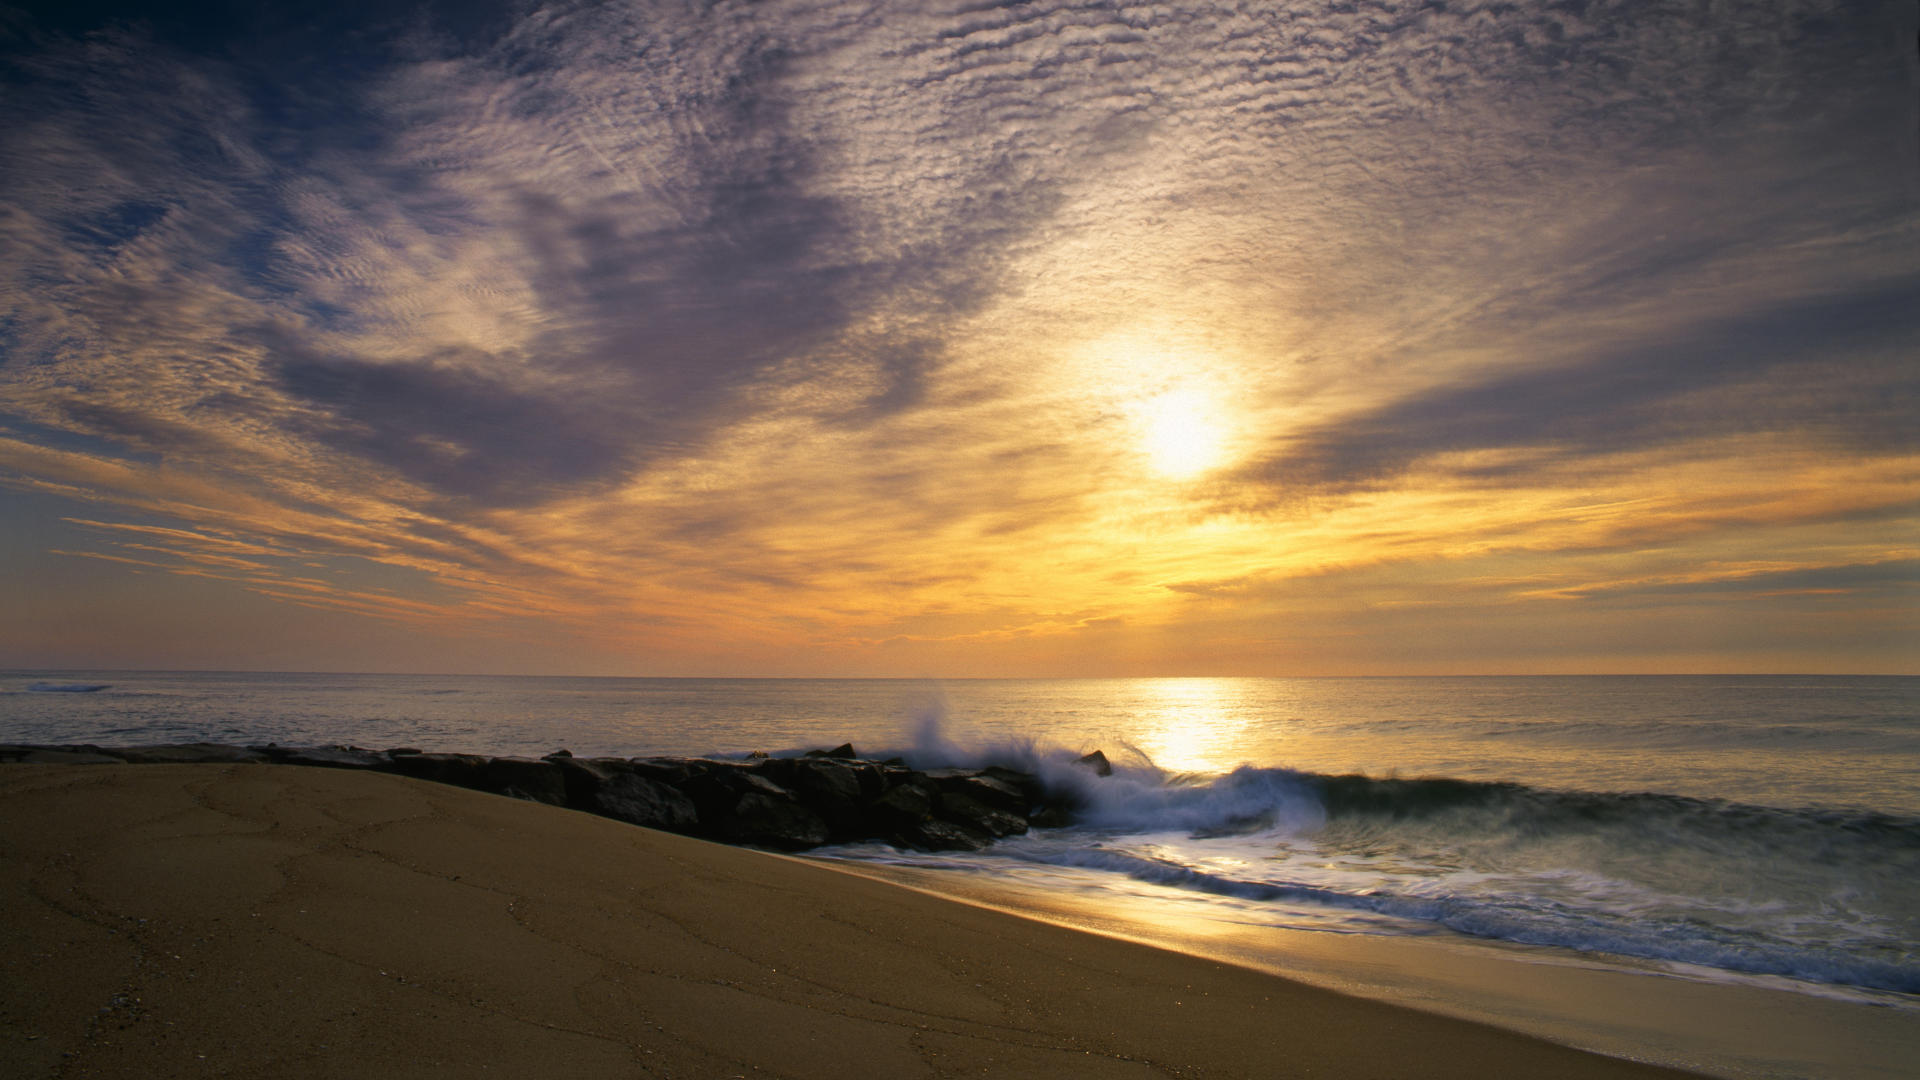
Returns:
<point x="1181" y="434"/>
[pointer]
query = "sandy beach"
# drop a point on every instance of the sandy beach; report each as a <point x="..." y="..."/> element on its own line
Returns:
<point x="207" y="920"/>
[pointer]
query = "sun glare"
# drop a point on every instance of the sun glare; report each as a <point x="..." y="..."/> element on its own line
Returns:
<point x="1181" y="434"/>
<point x="1192" y="725"/>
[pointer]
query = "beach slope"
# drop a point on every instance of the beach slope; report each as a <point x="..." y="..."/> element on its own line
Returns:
<point x="248" y="920"/>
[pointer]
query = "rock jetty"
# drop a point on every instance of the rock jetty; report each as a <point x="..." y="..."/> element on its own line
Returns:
<point x="788" y="803"/>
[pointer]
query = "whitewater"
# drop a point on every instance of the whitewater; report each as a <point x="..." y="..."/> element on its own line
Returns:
<point x="1704" y="885"/>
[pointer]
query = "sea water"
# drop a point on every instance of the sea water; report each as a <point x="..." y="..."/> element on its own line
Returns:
<point x="1709" y="827"/>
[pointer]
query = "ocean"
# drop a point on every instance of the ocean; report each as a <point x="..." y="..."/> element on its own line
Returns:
<point x="1752" y="829"/>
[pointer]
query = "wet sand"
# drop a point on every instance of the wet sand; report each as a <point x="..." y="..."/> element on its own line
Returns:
<point x="249" y="920"/>
<point x="1716" y="1023"/>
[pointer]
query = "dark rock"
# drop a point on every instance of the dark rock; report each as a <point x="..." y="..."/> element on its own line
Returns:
<point x="979" y="817"/>
<point x="1026" y="783"/>
<point x="934" y="834"/>
<point x="21" y="754"/>
<point x="977" y="785"/>
<point x="538" y="781"/>
<point x="833" y="790"/>
<point x="902" y="805"/>
<point x="332" y="757"/>
<point x="873" y="778"/>
<point x="638" y="800"/>
<point x="582" y="780"/>
<point x="759" y="818"/>
<point x="665" y="770"/>
<point x="892" y="775"/>
<point x="1051" y="816"/>
<point x="785" y="803"/>
<point x="903" y="812"/>
<point x="780" y="770"/>
<point x="584" y="777"/>
<point x="563" y="752"/>
<point x="999" y="794"/>
<point x="189" y="754"/>
<point x="1096" y="761"/>
<point x="747" y="782"/>
<point x="460" y="770"/>
<point x="826" y="779"/>
<point x="716" y="793"/>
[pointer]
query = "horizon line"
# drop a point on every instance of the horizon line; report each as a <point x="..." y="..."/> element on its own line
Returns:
<point x="967" y="678"/>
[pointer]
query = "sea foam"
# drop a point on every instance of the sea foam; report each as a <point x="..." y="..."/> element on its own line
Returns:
<point x="1808" y="894"/>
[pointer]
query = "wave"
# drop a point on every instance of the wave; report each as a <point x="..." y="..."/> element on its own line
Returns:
<point x="1539" y="810"/>
<point x="1677" y="936"/>
<point x="1804" y="893"/>
<point x="1140" y="797"/>
<point x="66" y="688"/>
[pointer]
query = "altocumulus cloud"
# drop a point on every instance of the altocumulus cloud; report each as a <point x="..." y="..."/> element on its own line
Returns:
<point x="528" y="297"/>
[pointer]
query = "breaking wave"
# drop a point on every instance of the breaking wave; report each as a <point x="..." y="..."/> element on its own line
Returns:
<point x="1808" y="894"/>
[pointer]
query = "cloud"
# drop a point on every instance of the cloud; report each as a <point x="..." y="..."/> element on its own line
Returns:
<point x="1768" y="371"/>
<point x="795" y="322"/>
<point x="456" y="432"/>
<point x="1890" y="576"/>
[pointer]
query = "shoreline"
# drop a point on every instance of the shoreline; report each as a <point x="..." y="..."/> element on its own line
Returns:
<point x="1716" y="1024"/>
<point x="192" y="919"/>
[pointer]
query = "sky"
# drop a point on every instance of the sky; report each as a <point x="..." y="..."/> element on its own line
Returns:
<point x="1289" y="337"/>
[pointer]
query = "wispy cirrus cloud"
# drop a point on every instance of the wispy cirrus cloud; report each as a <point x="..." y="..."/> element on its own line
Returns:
<point x="789" y="329"/>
